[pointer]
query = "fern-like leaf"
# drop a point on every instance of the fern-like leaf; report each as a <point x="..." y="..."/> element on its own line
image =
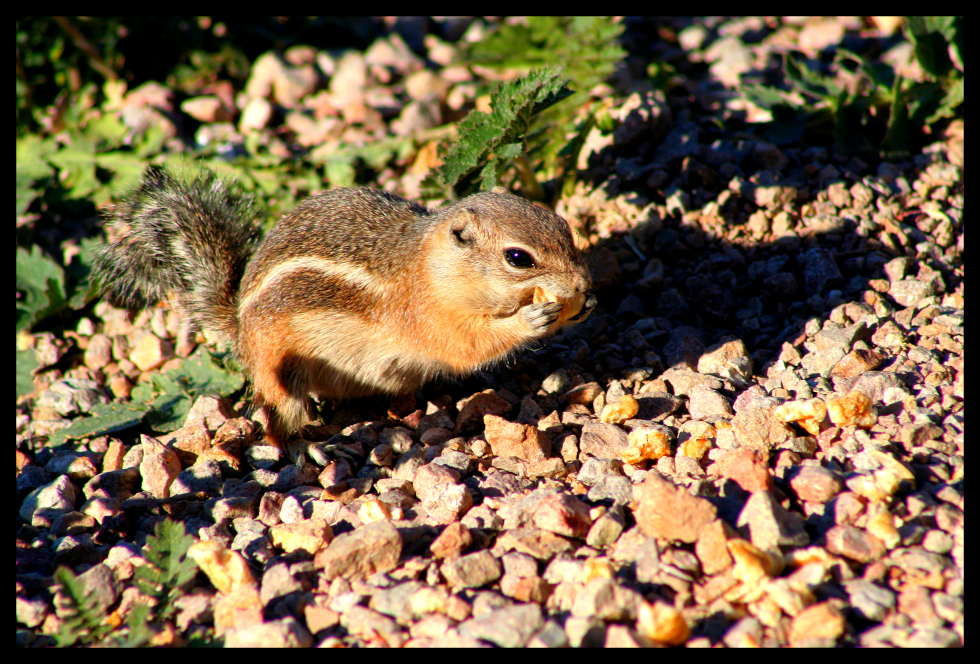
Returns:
<point x="168" y="568"/>
<point x="83" y="621"/>
<point x="489" y="143"/>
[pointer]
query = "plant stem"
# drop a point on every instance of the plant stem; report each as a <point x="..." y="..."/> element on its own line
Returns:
<point x="531" y="186"/>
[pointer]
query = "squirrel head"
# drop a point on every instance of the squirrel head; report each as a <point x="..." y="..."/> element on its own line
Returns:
<point x="507" y="252"/>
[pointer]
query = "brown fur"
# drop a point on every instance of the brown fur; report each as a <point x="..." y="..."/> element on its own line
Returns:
<point x="357" y="291"/>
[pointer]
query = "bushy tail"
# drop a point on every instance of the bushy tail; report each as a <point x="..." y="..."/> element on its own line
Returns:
<point x="188" y="239"/>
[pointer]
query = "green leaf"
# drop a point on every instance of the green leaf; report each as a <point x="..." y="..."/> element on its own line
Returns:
<point x="170" y="395"/>
<point x="138" y="626"/>
<point x="127" y="171"/>
<point x="489" y="142"/>
<point x="40" y="287"/>
<point x="809" y="81"/>
<point x="77" y="166"/>
<point x="82" y="619"/>
<point x="32" y="165"/>
<point x="104" y="418"/>
<point x="585" y="48"/>
<point x="108" y="129"/>
<point x="79" y="272"/>
<point x="767" y="97"/>
<point x="32" y="154"/>
<point x="26" y="364"/>
<point x="150" y="142"/>
<point x="928" y="35"/>
<point x="952" y="99"/>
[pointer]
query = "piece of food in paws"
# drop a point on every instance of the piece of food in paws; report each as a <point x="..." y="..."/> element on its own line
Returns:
<point x="570" y="306"/>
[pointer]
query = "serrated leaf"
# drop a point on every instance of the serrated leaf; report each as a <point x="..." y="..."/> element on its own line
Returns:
<point x="127" y="171"/>
<point x="82" y="620"/>
<point x="487" y="142"/>
<point x="109" y="129"/>
<point x="168" y="568"/>
<point x="809" y="81"/>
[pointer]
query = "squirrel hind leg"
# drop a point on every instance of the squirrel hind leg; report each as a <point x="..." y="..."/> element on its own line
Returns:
<point x="282" y="395"/>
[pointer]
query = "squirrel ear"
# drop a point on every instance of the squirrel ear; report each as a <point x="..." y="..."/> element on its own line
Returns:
<point x="463" y="227"/>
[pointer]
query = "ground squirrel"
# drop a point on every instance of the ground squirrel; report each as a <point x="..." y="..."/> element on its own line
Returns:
<point x="354" y="292"/>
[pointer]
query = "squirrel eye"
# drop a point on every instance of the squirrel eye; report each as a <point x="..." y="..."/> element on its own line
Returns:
<point x="518" y="258"/>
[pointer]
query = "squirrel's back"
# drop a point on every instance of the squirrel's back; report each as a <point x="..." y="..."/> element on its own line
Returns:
<point x="367" y="228"/>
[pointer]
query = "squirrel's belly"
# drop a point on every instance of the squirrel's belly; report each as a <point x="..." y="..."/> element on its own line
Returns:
<point x="348" y="357"/>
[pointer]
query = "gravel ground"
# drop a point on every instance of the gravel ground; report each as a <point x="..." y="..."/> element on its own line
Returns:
<point x="756" y="439"/>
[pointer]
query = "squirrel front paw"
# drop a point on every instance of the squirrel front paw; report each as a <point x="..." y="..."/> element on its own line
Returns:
<point x="540" y="316"/>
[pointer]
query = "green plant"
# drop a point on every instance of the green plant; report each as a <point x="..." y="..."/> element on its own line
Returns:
<point x="82" y="618"/>
<point x="44" y="288"/>
<point x="581" y="50"/>
<point x="162" y="578"/>
<point x="862" y="105"/>
<point x="162" y="402"/>
<point x="491" y="144"/>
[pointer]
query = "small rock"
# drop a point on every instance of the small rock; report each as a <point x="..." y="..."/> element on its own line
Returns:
<point x="473" y="408"/>
<point x="430" y="478"/>
<point x="854" y="543"/>
<point x="285" y="633"/>
<point x="454" y="539"/>
<point x="819" y="269"/>
<point x="563" y="514"/>
<point x="507" y="627"/>
<point x="808" y="414"/>
<point x="712" y="549"/>
<point x="149" y="351"/>
<point x="852" y="409"/>
<point x="908" y="292"/>
<point x="604" y="598"/>
<point x="646" y="444"/>
<point x="755" y="425"/>
<point x="375" y="547"/>
<point x="746" y="467"/>
<point x="58" y="495"/>
<point x="869" y="599"/>
<point x="159" y="467"/>
<point x="668" y="511"/>
<point x="729" y="360"/>
<point x="206" y="108"/>
<point x="101" y="585"/>
<point x="309" y="535"/>
<point x="815" y="484"/>
<point x="708" y="404"/>
<point x="606" y="529"/>
<point x="541" y="544"/>
<point x="471" y="571"/>
<point x="856" y="362"/>
<point x="821" y="623"/>
<point x="523" y="441"/>
<point x="447" y="503"/>
<point x="620" y="410"/>
<point x="769" y="524"/>
<point x="604" y="441"/>
<point x="662" y="623"/>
